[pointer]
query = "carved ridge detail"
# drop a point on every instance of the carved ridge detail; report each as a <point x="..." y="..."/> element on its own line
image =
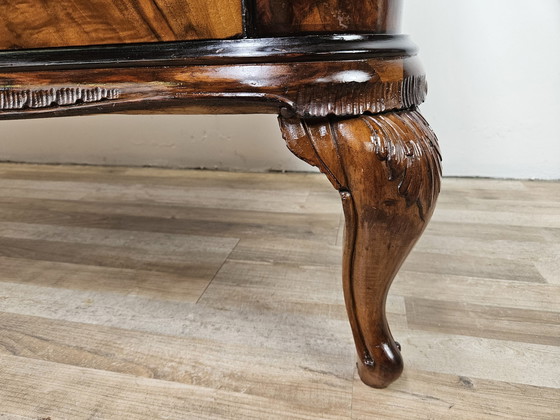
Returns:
<point x="408" y="147"/>
<point x="402" y="140"/>
<point x="14" y="99"/>
<point x="355" y="98"/>
<point x="387" y="168"/>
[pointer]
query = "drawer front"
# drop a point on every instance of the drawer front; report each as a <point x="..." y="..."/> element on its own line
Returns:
<point x="285" y="17"/>
<point x="56" y="23"/>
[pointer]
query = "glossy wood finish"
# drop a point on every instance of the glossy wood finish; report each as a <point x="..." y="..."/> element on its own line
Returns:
<point x="347" y="104"/>
<point x="300" y="82"/>
<point x="387" y="170"/>
<point x="231" y="51"/>
<point x="55" y="23"/>
<point x="292" y="87"/>
<point x="289" y="17"/>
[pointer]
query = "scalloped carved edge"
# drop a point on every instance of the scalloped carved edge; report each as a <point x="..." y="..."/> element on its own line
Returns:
<point x="311" y="101"/>
<point x="410" y="151"/>
<point x="401" y="140"/>
<point x="320" y="100"/>
<point x="16" y="99"/>
<point x="308" y="90"/>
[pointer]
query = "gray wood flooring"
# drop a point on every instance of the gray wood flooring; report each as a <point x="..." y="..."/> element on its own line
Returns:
<point x="164" y="294"/>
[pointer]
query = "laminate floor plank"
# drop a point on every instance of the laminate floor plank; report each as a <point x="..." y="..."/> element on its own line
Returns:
<point x="460" y="264"/>
<point x="164" y="251"/>
<point x="504" y="218"/>
<point x="512" y="324"/>
<point x="478" y="290"/>
<point x="200" y="196"/>
<point x="44" y="389"/>
<point x="248" y="322"/>
<point x="282" y="288"/>
<point x="149" y="293"/>
<point x="303" y="252"/>
<point x="497" y="248"/>
<point x="120" y="175"/>
<point x="169" y="219"/>
<point x="182" y="287"/>
<point x="486" y="231"/>
<point x="549" y="269"/>
<point x="207" y="364"/>
<point x="421" y="395"/>
<point x="508" y="361"/>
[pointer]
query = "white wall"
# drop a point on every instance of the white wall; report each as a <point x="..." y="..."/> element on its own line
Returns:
<point x="494" y="72"/>
<point x="240" y="142"/>
<point x="494" y="83"/>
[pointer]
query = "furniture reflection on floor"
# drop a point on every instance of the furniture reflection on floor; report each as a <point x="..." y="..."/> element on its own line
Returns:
<point x="346" y="87"/>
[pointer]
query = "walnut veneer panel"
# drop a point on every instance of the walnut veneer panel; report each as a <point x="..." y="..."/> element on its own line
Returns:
<point x="283" y="17"/>
<point x="56" y="23"/>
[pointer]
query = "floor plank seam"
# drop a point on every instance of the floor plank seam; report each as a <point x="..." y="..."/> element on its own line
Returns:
<point x="218" y="271"/>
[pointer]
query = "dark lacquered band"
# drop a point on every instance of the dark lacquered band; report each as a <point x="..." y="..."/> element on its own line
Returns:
<point x="259" y="50"/>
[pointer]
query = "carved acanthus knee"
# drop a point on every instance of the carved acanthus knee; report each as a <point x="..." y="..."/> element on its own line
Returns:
<point x="387" y="168"/>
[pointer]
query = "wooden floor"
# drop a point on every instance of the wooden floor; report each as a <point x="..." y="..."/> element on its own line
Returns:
<point x="162" y="294"/>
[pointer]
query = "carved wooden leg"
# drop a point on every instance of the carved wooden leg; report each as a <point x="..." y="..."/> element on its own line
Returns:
<point x="387" y="168"/>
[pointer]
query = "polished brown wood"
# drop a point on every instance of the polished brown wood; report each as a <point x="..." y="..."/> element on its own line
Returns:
<point x="312" y="76"/>
<point x="387" y="170"/>
<point x="55" y="23"/>
<point x="314" y="89"/>
<point x="289" y="17"/>
<point x="347" y="103"/>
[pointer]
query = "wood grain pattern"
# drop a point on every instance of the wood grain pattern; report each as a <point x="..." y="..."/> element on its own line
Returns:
<point x="178" y="360"/>
<point x="59" y="23"/>
<point x="125" y="395"/>
<point x="314" y="89"/>
<point x="511" y="324"/>
<point x="327" y="75"/>
<point x="387" y="171"/>
<point x="268" y="337"/>
<point x="283" y="17"/>
<point x="421" y="395"/>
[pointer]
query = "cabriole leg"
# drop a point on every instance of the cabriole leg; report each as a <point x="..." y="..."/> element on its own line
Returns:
<point x="387" y="168"/>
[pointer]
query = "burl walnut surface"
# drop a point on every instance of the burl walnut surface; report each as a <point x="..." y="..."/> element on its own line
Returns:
<point x="346" y="88"/>
<point x="60" y="23"/>
<point x="288" y="17"/>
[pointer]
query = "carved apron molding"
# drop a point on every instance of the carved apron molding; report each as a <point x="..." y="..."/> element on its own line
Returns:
<point x="14" y="99"/>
